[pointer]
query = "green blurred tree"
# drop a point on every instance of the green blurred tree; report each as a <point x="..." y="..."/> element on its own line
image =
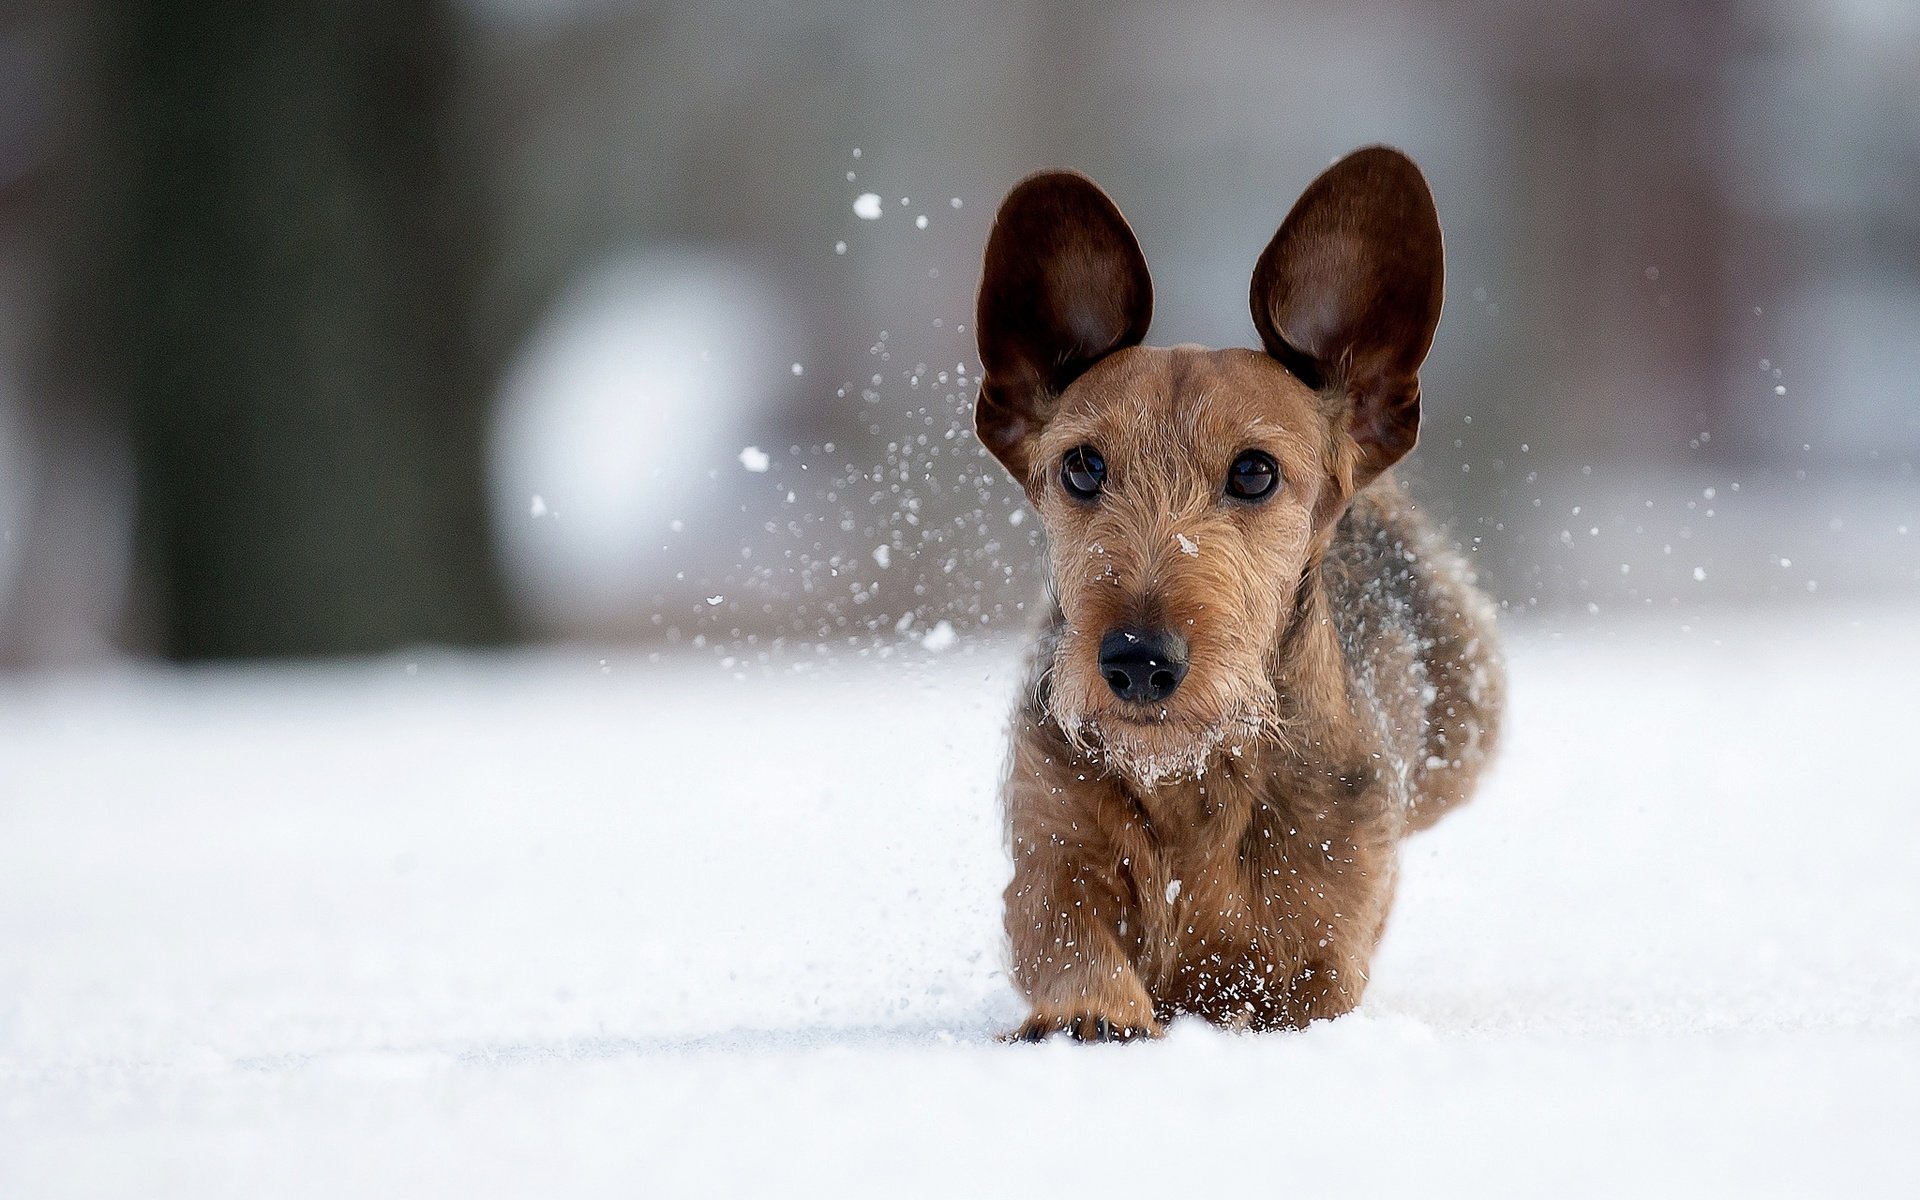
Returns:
<point x="306" y="398"/>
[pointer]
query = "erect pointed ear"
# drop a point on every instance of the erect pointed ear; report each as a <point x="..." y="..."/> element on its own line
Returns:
<point x="1064" y="285"/>
<point x="1348" y="293"/>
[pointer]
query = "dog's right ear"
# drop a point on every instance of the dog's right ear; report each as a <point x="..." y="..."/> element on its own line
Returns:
<point x="1064" y="286"/>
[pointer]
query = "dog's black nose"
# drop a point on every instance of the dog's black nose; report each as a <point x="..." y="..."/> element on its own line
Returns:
<point x="1143" y="665"/>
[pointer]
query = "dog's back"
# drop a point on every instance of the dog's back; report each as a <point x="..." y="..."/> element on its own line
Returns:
<point x="1419" y="641"/>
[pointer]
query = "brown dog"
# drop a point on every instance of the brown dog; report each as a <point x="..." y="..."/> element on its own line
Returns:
<point x="1262" y="666"/>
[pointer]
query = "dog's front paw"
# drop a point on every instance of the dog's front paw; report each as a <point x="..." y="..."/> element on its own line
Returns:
<point x="1084" y="1027"/>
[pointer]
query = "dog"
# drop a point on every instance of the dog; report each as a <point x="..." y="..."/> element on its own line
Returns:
<point x="1262" y="666"/>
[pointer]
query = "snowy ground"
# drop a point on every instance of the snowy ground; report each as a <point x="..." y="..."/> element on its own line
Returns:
<point x="519" y="926"/>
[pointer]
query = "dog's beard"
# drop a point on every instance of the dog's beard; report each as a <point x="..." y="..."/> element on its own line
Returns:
<point x="1183" y="740"/>
<point x="1155" y="752"/>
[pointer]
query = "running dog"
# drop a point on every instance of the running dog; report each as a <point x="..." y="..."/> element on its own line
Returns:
<point x="1262" y="666"/>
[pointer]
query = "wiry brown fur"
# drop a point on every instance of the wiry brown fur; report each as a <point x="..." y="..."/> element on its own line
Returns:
<point x="1231" y="853"/>
<point x="1349" y="693"/>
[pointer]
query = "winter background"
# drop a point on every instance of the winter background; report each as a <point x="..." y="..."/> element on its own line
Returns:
<point x="505" y="632"/>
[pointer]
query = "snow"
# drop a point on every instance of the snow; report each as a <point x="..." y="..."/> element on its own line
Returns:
<point x="866" y="206"/>
<point x="525" y="925"/>
<point x="754" y="459"/>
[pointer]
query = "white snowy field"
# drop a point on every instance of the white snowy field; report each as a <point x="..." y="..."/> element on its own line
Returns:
<point x="521" y="926"/>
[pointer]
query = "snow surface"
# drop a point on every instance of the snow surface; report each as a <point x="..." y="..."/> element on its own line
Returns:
<point x="537" y="926"/>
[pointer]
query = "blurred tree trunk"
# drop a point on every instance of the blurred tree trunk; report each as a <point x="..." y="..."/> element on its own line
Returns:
<point x="307" y="404"/>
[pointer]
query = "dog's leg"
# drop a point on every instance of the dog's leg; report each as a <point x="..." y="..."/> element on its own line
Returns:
<point x="1323" y="988"/>
<point x="1337" y="871"/>
<point x="1069" y="915"/>
<point x="1064" y="920"/>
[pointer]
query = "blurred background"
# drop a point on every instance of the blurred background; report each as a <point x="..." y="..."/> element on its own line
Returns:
<point x="499" y="321"/>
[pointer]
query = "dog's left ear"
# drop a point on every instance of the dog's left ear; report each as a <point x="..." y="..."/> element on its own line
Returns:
<point x="1347" y="296"/>
<point x="1064" y="285"/>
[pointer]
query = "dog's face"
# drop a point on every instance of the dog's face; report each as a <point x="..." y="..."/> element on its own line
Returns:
<point x="1185" y="491"/>
<point x="1209" y="468"/>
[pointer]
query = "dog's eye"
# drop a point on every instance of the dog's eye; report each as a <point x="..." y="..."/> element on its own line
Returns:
<point x="1252" y="476"/>
<point x="1083" y="471"/>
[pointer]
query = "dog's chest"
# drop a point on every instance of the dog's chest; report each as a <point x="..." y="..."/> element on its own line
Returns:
<point x="1237" y="891"/>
